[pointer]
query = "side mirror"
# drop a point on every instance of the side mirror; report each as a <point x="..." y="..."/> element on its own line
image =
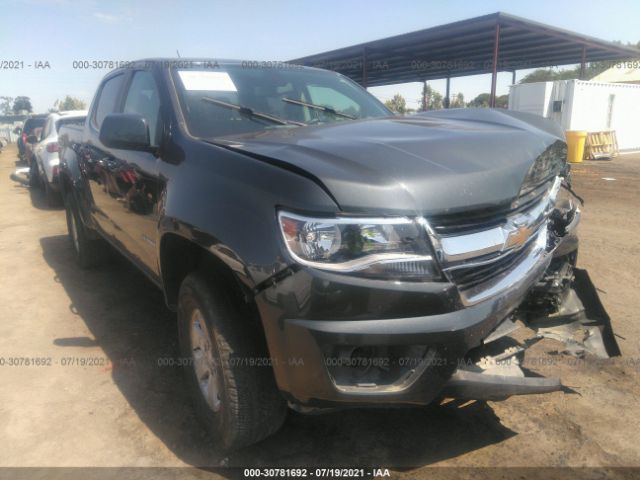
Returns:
<point x="32" y="139"/>
<point x="125" y="131"/>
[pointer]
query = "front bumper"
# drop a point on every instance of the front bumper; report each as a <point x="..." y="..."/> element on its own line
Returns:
<point x="338" y="340"/>
<point x="312" y="318"/>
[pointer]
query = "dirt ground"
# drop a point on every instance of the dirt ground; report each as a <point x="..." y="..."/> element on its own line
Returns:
<point x="105" y="401"/>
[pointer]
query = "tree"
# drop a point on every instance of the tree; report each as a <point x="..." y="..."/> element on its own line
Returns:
<point x="5" y="105"/>
<point x="397" y="104"/>
<point x="430" y="99"/>
<point x="22" y="103"/>
<point x="539" y="75"/>
<point x="591" y="70"/>
<point x="502" y="101"/>
<point x="481" y="100"/>
<point x="69" y="103"/>
<point x="457" y="101"/>
<point x="550" y="74"/>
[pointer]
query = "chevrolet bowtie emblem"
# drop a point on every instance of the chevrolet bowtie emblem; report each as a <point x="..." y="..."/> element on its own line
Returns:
<point x="517" y="238"/>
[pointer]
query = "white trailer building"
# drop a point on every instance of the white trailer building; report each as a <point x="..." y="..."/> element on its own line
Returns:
<point x="584" y="105"/>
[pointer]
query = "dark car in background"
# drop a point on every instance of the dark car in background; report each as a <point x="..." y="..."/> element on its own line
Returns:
<point x="32" y="128"/>
<point x="319" y="251"/>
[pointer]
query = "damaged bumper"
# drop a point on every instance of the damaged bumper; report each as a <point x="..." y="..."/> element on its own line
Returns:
<point x="387" y="360"/>
<point x="337" y="340"/>
<point x="553" y="309"/>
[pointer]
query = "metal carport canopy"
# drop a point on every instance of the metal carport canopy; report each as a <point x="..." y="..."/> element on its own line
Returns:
<point x="486" y="44"/>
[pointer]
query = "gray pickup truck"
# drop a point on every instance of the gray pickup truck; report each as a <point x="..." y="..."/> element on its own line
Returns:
<point x="319" y="251"/>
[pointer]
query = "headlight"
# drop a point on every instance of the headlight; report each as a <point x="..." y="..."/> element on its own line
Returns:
<point x="550" y="163"/>
<point x="390" y="248"/>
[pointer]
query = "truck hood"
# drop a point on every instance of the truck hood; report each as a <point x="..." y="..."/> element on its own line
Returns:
<point x="437" y="163"/>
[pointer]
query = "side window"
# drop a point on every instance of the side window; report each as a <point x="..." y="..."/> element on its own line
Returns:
<point x="143" y="99"/>
<point x="107" y="100"/>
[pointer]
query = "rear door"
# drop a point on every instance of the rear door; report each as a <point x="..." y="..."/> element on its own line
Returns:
<point x="96" y="160"/>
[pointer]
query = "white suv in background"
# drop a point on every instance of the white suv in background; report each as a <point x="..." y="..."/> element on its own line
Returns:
<point x="44" y="166"/>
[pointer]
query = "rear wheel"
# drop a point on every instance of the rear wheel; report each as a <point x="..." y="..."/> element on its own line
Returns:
<point x="51" y="196"/>
<point x="88" y="252"/>
<point x="236" y="398"/>
<point x="34" y="175"/>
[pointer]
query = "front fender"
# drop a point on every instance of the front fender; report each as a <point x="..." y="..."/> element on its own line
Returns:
<point x="227" y="203"/>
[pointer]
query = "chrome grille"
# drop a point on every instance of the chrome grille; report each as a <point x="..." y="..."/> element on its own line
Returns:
<point x="482" y="219"/>
<point x="488" y="252"/>
<point x="469" y="277"/>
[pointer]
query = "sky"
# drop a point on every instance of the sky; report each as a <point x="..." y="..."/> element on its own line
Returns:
<point x="58" y="33"/>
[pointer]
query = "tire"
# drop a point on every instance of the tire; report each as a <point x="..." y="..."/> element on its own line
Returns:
<point x="242" y="405"/>
<point x="51" y="196"/>
<point x="34" y="175"/>
<point x="88" y="252"/>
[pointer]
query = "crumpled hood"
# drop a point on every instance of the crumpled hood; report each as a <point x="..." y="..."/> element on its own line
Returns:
<point x="425" y="164"/>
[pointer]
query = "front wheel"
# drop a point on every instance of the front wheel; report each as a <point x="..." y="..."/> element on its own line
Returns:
<point x="236" y="397"/>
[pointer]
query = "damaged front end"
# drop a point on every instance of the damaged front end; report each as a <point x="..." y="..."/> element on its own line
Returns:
<point x="563" y="305"/>
<point x="503" y="254"/>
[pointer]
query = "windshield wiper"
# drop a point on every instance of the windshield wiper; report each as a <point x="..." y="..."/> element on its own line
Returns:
<point x="251" y="113"/>
<point x="319" y="107"/>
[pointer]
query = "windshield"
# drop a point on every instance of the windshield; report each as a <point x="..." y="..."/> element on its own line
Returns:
<point x="234" y="99"/>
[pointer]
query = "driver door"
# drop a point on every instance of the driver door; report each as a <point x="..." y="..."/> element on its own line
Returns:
<point x="133" y="176"/>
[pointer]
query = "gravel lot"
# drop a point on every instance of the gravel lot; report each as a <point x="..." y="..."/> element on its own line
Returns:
<point x="105" y="401"/>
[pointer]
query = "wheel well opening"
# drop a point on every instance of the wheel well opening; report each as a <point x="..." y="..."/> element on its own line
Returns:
<point x="65" y="184"/>
<point x="180" y="256"/>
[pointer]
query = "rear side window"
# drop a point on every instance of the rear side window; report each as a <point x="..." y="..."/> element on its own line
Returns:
<point x="69" y="121"/>
<point x="47" y="128"/>
<point x="33" y="123"/>
<point x="108" y="99"/>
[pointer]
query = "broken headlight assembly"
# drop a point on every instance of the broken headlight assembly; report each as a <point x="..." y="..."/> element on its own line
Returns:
<point x="552" y="162"/>
<point x="386" y="248"/>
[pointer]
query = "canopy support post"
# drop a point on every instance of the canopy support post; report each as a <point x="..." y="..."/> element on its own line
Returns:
<point x="447" y="98"/>
<point x="364" y="67"/>
<point x="494" y="70"/>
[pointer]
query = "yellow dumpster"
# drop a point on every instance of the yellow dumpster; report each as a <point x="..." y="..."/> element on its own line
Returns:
<point x="575" y="145"/>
